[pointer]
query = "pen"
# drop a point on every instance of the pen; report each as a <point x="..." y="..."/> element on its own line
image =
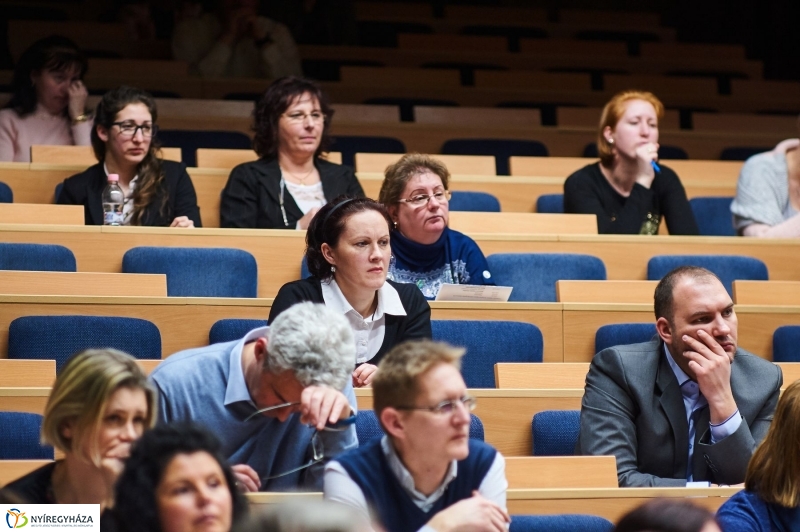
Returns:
<point x="655" y="166"/>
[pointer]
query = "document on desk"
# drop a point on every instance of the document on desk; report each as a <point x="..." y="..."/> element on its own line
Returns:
<point x="474" y="292"/>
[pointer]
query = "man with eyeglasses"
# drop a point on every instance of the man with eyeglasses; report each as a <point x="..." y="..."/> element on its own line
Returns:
<point x="273" y="397"/>
<point x="425" y="473"/>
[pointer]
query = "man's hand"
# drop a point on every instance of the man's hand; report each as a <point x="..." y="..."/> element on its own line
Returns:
<point x="476" y="514"/>
<point x="711" y="365"/>
<point x="363" y="375"/>
<point x="246" y="477"/>
<point x="320" y="405"/>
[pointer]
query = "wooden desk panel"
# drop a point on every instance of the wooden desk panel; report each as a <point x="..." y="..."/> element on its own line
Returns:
<point x="38" y="213"/>
<point x="82" y="283"/>
<point x="27" y="372"/>
<point x="766" y="292"/>
<point x="605" y="291"/>
<point x="24" y="399"/>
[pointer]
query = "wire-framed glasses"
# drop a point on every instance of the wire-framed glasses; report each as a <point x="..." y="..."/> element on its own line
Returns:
<point x="418" y="200"/>
<point x="298" y="117"/>
<point x="129" y="129"/>
<point x="446" y="407"/>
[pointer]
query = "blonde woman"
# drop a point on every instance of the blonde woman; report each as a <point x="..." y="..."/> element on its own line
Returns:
<point x="770" y="501"/>
<point x="100" y="404"/>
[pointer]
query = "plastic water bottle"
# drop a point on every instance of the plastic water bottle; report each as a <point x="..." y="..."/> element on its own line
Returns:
<point x="113" y="198"/>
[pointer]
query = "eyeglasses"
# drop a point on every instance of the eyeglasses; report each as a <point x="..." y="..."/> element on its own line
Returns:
<point x="317" y="448"/>
<point x="419" y="200"/>
<point x="128" y="129"/>
<point x="446" y="407"/>
<point x="299" y="118"/>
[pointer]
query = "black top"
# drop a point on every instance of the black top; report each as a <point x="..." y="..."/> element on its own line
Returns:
<point x="415" y="324"/>
<point x="251" y="197"/>
<point x="87" y="189"/>
<point x="588" y="192"/>
<point x="36" y="487"/>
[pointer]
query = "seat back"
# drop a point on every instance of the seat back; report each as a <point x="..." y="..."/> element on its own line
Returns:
<point x="462" y="200"/>
<point x="349" y="145"/>
<point x="560" y="523"/>
<point x="6" y="195"/>
<point x="550" y="203"/>
<point x="37" y="257"/>
<point x="727" y="267"/>
<point x="59" y="337"/>
<point x="713" y="215"/>
<point x="786" y="344"/>
<point x="82" y="155"/>
<point x="534" y="275"/>
<point x="19" y="437"/>
<point x="623" y="334"/>
<point x="368" y="427"/>
<point x="522" y="342"/>
<point x="197" y="272"/>
<point x="664" y="152"/>
<point x="741" y="153"/>
<point x="190" y="141"/>
<point x="555" y="432"/>
<point x="231" y="329"/>
<point x="501" y="149"/>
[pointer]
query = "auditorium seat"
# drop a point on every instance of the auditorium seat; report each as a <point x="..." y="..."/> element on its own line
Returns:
<point x="786" y="344"/>
<point x="550" y="203"/>
<point x="623" y="334"/>
<point x="37" y="257"/>
<point x="560" y="523"/>
<point x="6" y="195"/>
<point x="501" y="149"/>
<point x="231" y="329"/>
<point x="368" y="427"/>
<point x="534" y="275"/>
<point x="664" y="152"/>
<point x="741" y="153"/>
<point x="522" y="342"/>
<point x="197" y="272"/>
<point x="555" y="432"/>
<point x="20" y="433"/>
<point x="349" y="145"/>
<point x="713" y="215"/>
<point x="727" y="267"/>
<point x="190" y="141"/>
<point x="59" y="337"/>
<point x="462" y="200"/>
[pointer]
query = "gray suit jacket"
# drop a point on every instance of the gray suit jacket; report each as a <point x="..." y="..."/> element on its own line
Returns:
<point x="633" y="409"/>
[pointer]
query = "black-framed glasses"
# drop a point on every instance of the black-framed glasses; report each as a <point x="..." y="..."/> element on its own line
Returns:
<point x="129" y="129"/>
<point x="418" y="200"/>
<point x="446" y="407"/>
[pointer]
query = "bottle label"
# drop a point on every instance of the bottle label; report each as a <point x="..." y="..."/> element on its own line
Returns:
<point x="112" y="214"/>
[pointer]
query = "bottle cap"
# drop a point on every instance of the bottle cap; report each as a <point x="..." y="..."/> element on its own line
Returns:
<point x="113" y="177"/>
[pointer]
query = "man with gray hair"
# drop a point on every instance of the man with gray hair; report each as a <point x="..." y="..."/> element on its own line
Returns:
<point x="273" y="397"/>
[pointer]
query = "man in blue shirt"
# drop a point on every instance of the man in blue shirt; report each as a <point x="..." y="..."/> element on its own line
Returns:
<point x="294" y="371"/>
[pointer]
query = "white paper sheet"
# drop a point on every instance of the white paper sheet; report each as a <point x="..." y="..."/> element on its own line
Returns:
<point x="473" y="292"/>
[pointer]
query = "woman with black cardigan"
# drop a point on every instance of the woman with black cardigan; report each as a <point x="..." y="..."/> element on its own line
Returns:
<point x="348" y="251"/>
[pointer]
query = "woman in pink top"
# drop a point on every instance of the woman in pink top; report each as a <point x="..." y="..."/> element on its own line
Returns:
<point x="48" y="105"/>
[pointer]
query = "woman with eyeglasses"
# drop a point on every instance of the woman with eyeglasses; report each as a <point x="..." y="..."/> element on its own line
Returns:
<point x="291" y="180"/>
<point x="347" y="250"/>
<point x="426" y="252"/>
<point x="157" y="192"/>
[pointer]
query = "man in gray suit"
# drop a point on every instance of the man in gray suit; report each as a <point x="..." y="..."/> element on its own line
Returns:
<point x="684" y="408"/>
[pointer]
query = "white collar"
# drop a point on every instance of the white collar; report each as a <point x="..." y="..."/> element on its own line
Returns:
<point x="236" y="389"/>
<point x="407" y="481"/>
<point x="388" y="300"/>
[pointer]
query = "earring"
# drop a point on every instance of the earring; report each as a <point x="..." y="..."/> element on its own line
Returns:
<point x="333" y="269"/>
<point x="395" y="224"/>
<point x="610" y="140"/>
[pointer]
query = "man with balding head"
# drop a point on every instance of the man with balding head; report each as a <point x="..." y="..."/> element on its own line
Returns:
<point x="687" y="407"/>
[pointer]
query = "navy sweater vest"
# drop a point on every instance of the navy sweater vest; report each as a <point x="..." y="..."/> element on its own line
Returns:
<point x="368" y="468"/>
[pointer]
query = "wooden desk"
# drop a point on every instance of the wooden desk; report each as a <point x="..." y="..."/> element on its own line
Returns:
<point x="37" y="213"/>
<point x="523" y="223"/>
<point x="766" y="292"/>
<point x="37" y="373"/>
<point x="11" y="470"/>
<point x="456" y="164"/>
<point x="506" y="414"/>
<point x="564" y="375"/>
<point x="553" y="472"/>
<point x="82" y="284"/>
<point x="82" y="155"/>
<point x="605" y="291"/>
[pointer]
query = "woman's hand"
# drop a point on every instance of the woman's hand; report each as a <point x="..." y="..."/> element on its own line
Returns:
<point x="363" y="375"/>
<point x="646" y="154"/>
<point x="113" y="462"/>
<point x="305" y="221"/>
<point x="246" y="478"/>
<point x="77" y="99"/>
<point x="182" y="221"/>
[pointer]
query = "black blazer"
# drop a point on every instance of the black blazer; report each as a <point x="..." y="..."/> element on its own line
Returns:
<point x="87" y="189"/>
<point x="251" y="197"/>
<point x="415" y="324"/>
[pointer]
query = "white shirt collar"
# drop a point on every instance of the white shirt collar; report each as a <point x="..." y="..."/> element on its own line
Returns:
<point x="236" y="389"/>
<point x="388" y="300"/>
<point x="407" y="481"/>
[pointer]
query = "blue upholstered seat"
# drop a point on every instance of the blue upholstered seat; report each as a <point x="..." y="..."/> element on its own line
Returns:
<point x="501" y="149"/>
<point x="560" y="523"/>
<point x="60" y="337"/>
<point x="37" y="257"/>
<point x="623" y="334"/>
<point x="550" y="203"/>
<point x="727" y="267"/>
<point x="555" y="432"/>
<point x="19" y="437"/>
<point x="231" y="329"/>
<point x="6" y="195"/>
<point x="489" y="342"/>
<point x="349" y="145"/>
<point x="713" y="215"/>
<point x="786" y="344"/>
<point x="368" y="427"/>
<point x="473" y="201"/>
<point x="534" y="275"/>
<point x="197" y="272"/>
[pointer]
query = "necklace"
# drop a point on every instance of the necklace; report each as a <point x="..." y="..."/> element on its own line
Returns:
<point x="297" y="177"/>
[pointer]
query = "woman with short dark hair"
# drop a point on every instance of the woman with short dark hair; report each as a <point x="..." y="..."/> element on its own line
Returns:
<point x="48" y="101"/>
<point x="347" y="249"/>
<point x="175" y="478"/>
<point x="291" y="181"/>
